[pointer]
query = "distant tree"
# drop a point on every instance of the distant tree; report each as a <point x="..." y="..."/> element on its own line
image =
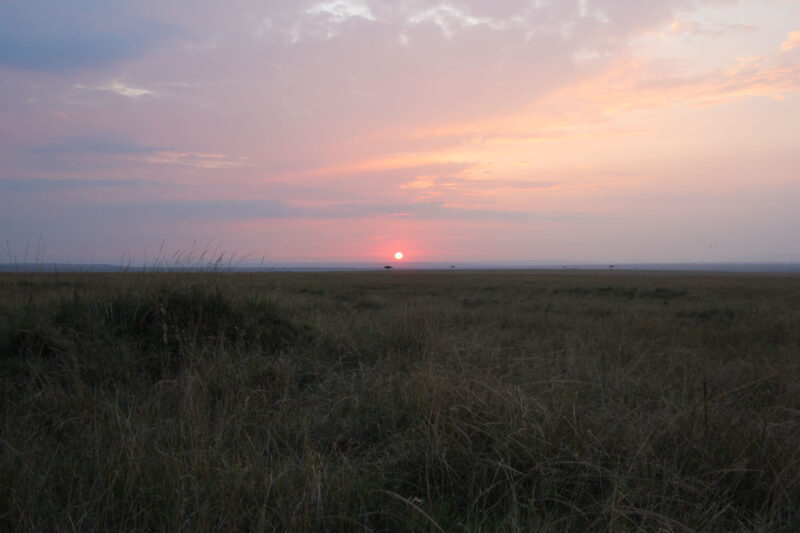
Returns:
<point x="388" y="267"/>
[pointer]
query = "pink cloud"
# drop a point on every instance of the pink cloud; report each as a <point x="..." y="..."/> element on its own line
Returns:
<point x="209" y="161"/>
<point x="792" y="41"/>
<point x="707" y="29"/>
<point x="629" y="85"/>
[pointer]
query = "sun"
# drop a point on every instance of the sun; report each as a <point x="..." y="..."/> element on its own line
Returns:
<point x="398" y="255"/>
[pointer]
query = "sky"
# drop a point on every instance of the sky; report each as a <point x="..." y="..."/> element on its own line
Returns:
<point x="346" y="130"/>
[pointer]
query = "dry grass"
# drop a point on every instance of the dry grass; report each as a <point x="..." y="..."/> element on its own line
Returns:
<point x="404" y="401"/>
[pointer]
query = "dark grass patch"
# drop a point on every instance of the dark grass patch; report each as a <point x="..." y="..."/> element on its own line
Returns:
<point x="506" y="402"/>
<point x="158" y="331"/>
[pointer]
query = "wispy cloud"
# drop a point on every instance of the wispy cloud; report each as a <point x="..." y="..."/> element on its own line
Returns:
<point x="230" y="210"/>
<point x="62" y="184"/>
<point x="453" y="183"/>
<point x="341" y="10"/>
<point x="118" y="145"/>
<point x="630" y="85"/>
<point x="450" y="18"/>
<point x="209" y="161"/>
<point x="792" y="41"/>
<point x="128" y="91"/>
<point x="709" y="29"/>
<point x="108" y="144"/>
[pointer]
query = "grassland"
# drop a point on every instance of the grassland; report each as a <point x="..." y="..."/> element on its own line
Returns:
<point x="400" y="401"/>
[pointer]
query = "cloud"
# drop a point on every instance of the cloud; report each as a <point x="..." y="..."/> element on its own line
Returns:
<point x="109" y="144"/>
<point x="79" y="147"/>
<point x="341" y="10"/>
<point x="128" y="91"/>
<point x="196" y="159"/>
<point x="235" y="209"/>
<point x="430" y="210"/>
<point x="504" y="184"/>
<point x="632" y="85"/>
<point x="749" y="77"/>
<point x="339" y="86"/>
<point x="459" y="184"/>
<point x="709" y="29"/>
<point x="62" y="184"/>
<point x="449" y="19"/>
<point x="41" y="35"/>
<point x="792" y="41"/>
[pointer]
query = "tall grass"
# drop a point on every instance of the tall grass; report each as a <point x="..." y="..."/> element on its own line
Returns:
<point x="444" y="401"/>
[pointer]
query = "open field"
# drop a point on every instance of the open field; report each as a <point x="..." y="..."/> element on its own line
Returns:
<point x="401" y="401"/>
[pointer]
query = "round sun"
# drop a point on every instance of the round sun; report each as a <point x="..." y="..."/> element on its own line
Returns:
<point x="398" y="255"/>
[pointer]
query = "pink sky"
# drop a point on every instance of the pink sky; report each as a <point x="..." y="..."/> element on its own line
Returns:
<point x="345" y="130"/>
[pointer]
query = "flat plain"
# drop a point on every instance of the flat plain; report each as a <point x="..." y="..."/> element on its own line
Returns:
<point x="400" y="401"/>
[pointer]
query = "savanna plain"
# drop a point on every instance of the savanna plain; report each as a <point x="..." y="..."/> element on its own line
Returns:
<point x="400" y="401"/>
